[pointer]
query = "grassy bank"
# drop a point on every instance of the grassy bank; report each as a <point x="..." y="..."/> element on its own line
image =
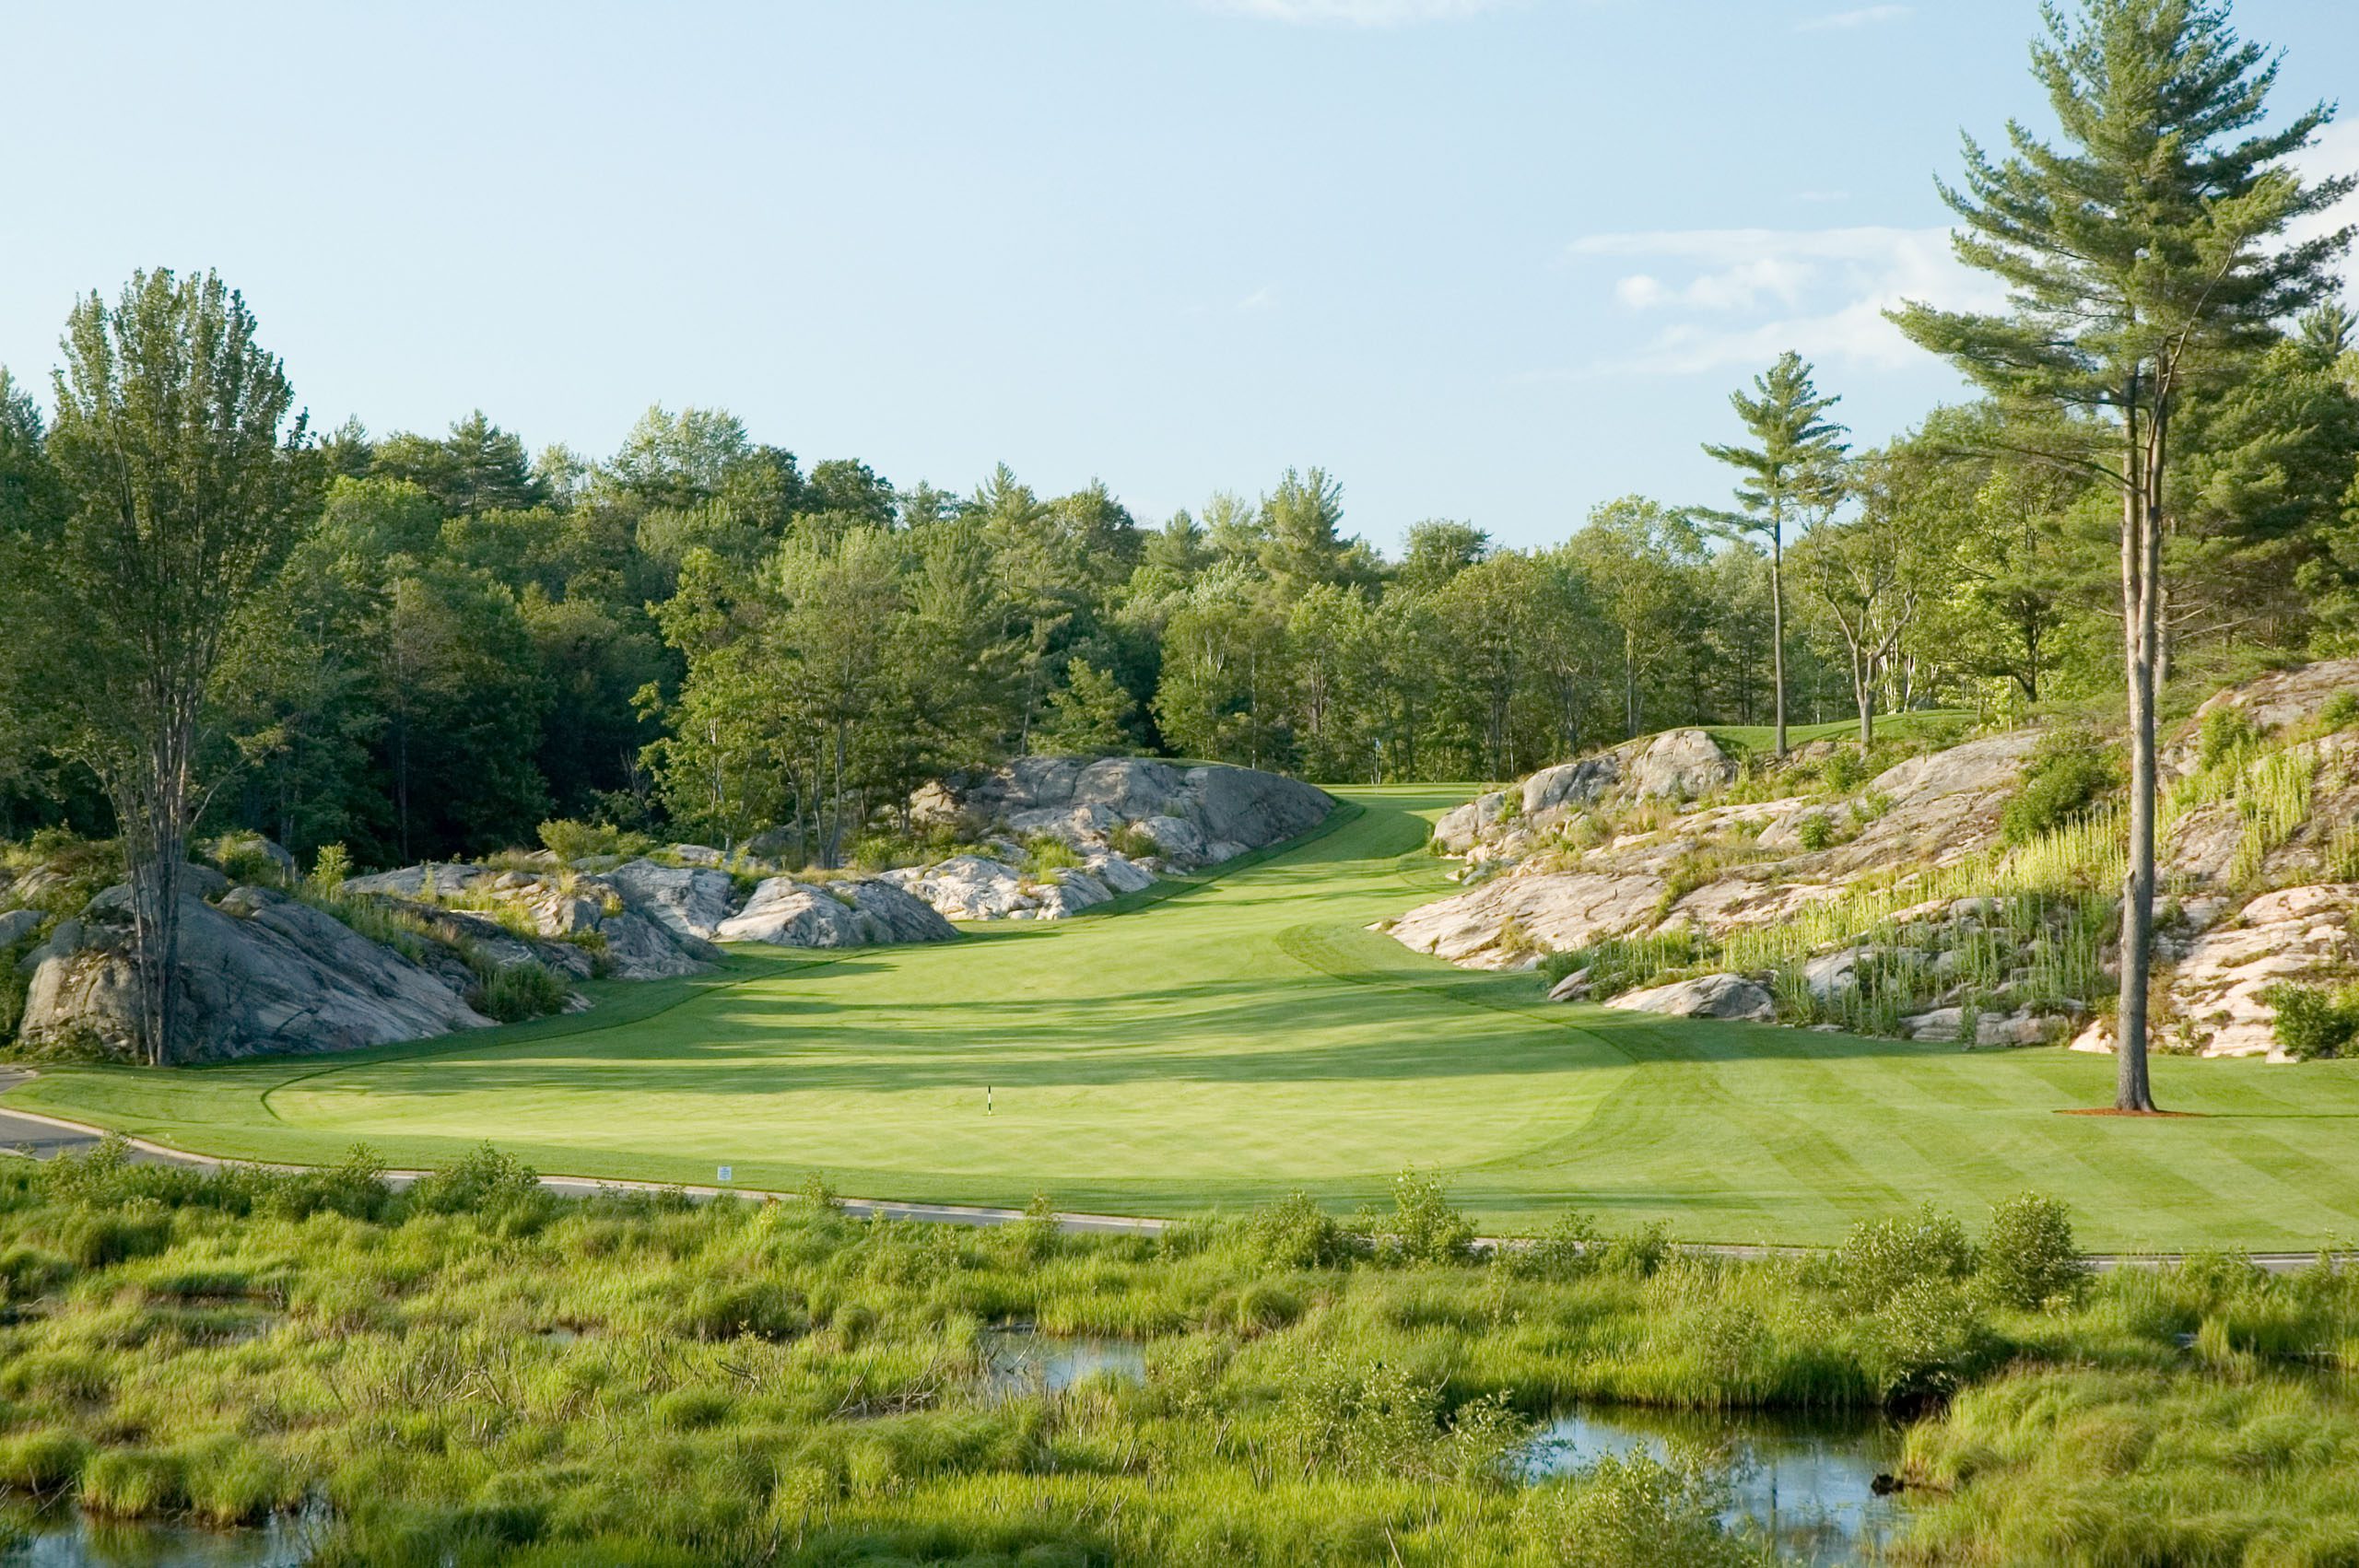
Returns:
<point x="1247" y="1036"/>
<point x="476" y="1374"/>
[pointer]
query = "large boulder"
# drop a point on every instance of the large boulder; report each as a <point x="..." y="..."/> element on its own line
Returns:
<point x="17" y="924"/>
<point x="692" y="901"/>
<point x="1198" y="815"/>
<point x="1560" y="911"/>
<point x="786" y="913"/>
<point x="1680" y="765"/>
<point x="260" y="973"/>
<point x="1731" y="996"/>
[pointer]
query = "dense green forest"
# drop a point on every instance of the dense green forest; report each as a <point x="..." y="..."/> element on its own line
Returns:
<point x="702" y="632"/>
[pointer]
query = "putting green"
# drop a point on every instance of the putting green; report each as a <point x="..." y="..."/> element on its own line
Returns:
<point x="1246" y="1034"/>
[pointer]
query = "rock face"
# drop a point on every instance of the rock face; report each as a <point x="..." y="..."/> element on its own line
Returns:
<point x="1709" y="996"/>
<point x="2259" y="855"/>
<point x="691" y="901"/>
<point x="644" y="923"/>
<point x="261" y="973"/>
<point x="1558" y="911"/>
<point x="2214" y="1001"/>
<point x="1194" y="817"/>
<point x="970" y="887"/>
<point x="786" y="913"/>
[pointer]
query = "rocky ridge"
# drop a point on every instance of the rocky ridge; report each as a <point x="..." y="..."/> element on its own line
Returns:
<point x="1650" y="861"/>
<point x="265" y="971"/>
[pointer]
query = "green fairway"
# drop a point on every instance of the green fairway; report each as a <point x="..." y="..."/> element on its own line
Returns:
<point x="1246" y="1036"/>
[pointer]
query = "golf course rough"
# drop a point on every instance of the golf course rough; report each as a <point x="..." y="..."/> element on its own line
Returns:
<point x="1212" y="1044"/>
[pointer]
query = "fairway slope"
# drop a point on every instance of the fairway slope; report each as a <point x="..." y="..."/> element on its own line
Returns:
<point x="1215" y="1043"/>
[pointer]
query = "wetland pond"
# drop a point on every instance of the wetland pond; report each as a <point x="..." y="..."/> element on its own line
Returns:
<point x="1808" y="1481"/>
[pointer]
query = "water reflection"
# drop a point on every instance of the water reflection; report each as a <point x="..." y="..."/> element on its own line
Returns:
<point x="69" y="1539"/>
<point x="1025" y="1361"/>
<point x="1809" y="1482"/>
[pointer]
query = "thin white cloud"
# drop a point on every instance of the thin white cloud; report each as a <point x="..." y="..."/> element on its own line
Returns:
<point x="1355" y="12"/>
<point x="1865" y="16"/>
<point x="1262" y="298"/>
<point x="1731" y="297"/>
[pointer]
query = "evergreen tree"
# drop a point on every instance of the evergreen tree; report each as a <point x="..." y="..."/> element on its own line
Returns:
<point x="1792" y="476"/>
<point x="2144" y="256"/>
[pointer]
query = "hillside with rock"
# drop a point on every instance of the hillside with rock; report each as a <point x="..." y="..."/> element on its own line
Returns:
<point x="1053" y="836"/>
<point x="1962" y="894"/>
<point x="271" y="964"/>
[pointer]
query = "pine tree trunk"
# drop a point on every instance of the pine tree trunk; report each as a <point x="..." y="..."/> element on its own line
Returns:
<point x="1778" y="628"/>
<point x="2141" y="570"/>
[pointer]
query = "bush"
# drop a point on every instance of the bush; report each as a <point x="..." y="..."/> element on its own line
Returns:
<point x="242" y="858"/>
<point x="1294" y="1233"/>
<point x="1424" y="1228"/>
<point x="1637" y="1255"/>
<point x="2225" y="733"/>
<point x="1133" y="842"/>
<point x="1922" y="1341"/>
<point x="1816" y="831"/>
<point x="1637" y="1511"/>
<point x="330" y="866"/>
<point x="482" y="1180"/>
<point x="1879" y="1259"/>
<point x="519" y="992"/>
<point x="2067" y="777"/>
<point x="1845" y="771"/>
<point x="1566" y="1250"/>
<point x="2340" y="712"/>
<point x="2312" y="1023"/>
<point x="354" y="1187"/>
<point x="1044" y="852"/>
<point x="2029" y="1256"/>
<point x="570" y="840"/>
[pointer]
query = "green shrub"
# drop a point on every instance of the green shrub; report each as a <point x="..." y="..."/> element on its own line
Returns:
<point x="2313" y="1023"/>
<point x="1044" y="852"/>
<point x="242" y="858"/>
<point x="2066" y="779"/>
<point x="1816" y="831"/>
<point x="520" y="991"/>
<point x="1132" y="842"/>
<point x="1296" y="1233"/>
<point x="1566" y="1250"/>
<point x="1423" y="1227"/>
<point x="1845" y="771"/>
<point x="355" y="1187"/>
<point x="2226" y="733"/>
<point x="570" y="840"/>
<point x="330" y="866"/>
<point x="1881" y="1257"/>
<point x="2029" y="1256"/>
<point x="1637" y="1510"/>
<point x="2340" y="712"/>
<point x="485" y="1179"/>
<point x="1639" y="1254"/>
<point x="1923" y="1340"/>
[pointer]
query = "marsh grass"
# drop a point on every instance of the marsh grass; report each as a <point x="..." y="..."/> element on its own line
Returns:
<point x="475" y="1372"/>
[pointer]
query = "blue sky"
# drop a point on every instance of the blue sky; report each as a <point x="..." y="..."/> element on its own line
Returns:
<point x="1496" y="259"/>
